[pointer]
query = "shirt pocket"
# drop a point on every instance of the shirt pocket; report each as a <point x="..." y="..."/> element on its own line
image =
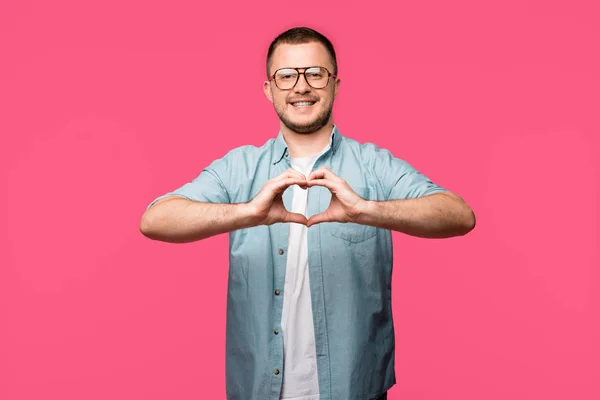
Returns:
<point x="350" y="231"/>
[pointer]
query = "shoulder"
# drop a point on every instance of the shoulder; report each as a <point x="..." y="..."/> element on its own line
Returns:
<point x="377" y="162"/>
<point x="367" y="153"/>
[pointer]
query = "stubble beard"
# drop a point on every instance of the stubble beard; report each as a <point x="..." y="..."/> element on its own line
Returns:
<point x="309" y="127"/>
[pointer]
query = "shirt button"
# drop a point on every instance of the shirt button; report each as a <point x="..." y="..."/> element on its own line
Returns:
<point x="276" y="372"/>
<point x="280" y="251"/>
<point x="277" y="292"/>
<point x="276" y="331"/>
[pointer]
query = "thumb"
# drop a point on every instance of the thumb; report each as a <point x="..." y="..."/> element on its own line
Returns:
<point x="317" y="219"/>
<point x="295" y="217"/>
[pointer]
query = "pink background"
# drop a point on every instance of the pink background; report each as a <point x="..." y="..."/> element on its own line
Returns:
<point x="105" y="107"/>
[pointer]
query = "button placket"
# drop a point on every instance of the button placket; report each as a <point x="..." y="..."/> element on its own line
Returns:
<point x="280" y="233"/>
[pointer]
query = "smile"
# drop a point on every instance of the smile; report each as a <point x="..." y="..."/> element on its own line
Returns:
<point x="301" y="104"/>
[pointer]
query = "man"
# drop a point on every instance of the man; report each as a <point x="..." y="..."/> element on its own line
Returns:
<point x="309" y="299"/>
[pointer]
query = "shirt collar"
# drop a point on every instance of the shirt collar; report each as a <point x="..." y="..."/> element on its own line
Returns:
<point x="281" y="148"/>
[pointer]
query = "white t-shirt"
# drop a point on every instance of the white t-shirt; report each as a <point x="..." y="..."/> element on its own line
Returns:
<point x="300" y="379"/>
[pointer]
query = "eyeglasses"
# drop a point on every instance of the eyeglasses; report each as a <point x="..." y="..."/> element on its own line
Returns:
<point x="316" y="77"/>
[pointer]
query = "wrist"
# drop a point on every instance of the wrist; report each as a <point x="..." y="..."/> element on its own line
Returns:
<point x="248" y="215"/>
<point x="367" y="212"/>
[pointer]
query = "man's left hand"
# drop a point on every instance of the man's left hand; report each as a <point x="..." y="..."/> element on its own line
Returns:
<point x="345" y="205"/>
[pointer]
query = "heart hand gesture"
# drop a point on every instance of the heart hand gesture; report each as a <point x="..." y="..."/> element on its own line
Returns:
<point x="345" y="205"/>
<point x="268" y="207"/>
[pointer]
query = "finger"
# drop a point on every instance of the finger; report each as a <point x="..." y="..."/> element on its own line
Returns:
<point x="289" y="173"/>
<point x="296" y="172"/>
<point x="323" y="172"/>
<point x="329" y="184"/>
<point x="280" y="186"/>
<point x="296" y="218"/>
<point x="298" y="181"/>
<point x="318" y="218"/>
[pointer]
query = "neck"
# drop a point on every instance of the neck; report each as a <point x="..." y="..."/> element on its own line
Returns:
<point x="307" y="144"/>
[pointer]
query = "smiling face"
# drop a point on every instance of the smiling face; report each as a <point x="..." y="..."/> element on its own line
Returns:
<point x="302" y="109"/>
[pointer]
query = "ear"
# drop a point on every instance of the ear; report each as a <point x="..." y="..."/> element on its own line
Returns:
<point x="268" y="90"/>
<point x="336" y="87"/>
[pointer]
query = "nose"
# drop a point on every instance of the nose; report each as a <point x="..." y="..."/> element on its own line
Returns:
<point x="302" y="86"/>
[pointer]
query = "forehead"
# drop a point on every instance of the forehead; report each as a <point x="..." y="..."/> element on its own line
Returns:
<point x="300" y="55"/>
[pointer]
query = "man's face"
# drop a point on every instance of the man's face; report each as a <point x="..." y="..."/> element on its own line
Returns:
<point x="302" y="118"/>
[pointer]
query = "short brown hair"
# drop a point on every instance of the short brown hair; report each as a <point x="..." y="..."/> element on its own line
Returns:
<point x="301" y="35"/>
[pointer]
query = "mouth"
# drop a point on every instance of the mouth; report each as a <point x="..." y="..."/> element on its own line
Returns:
<point x="302" y="103"/>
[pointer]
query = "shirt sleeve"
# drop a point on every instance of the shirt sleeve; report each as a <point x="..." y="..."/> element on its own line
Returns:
<point x="208" y="187"/>
<point x="401" y="180"/>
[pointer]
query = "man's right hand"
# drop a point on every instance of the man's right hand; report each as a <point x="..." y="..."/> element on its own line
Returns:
<point x="267" y="206"/>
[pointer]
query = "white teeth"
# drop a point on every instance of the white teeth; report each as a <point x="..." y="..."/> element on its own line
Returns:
<point x="303" y="104"/>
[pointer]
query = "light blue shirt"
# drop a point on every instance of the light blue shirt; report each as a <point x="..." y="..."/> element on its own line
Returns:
<point x="350" y="268"/>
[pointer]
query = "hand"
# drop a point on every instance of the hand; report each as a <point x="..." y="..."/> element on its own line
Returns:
<point x="345" y="205"/>
<point x="267" y="206"/>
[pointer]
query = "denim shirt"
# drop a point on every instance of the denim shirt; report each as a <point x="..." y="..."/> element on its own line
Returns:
<point x="350" y="268"/>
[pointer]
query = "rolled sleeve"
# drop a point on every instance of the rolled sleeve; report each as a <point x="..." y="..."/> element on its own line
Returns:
<point x="401" y="180"/>
<point x="208" y="187"/>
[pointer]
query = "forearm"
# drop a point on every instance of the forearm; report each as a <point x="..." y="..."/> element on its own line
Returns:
<point x="439" y="215"/>
<point x="178" y="220"/>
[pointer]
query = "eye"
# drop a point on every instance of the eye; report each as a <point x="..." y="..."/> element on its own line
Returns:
<point x="286" y="74"/>
<point x="316" y="73"/>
